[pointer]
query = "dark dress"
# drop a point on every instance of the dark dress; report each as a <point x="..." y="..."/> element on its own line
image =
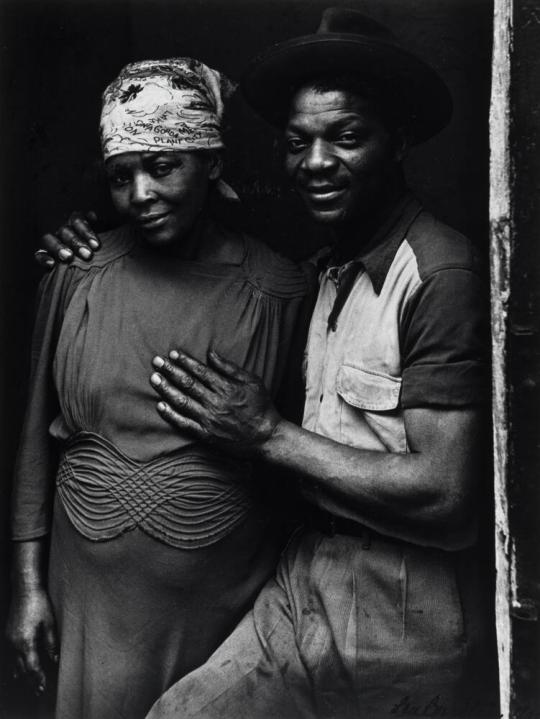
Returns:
<point x="158" y="545"/>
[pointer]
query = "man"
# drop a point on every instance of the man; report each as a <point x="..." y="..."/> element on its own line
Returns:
<point x="376" y="608"/>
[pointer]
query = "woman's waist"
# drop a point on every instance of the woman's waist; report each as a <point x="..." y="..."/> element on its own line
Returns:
<point x="94" y="458"/>
<point x="136" y="432"/>
<point x="189" y="498"/>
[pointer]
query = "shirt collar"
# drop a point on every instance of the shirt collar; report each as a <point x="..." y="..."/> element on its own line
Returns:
<point x="378" y="256"/>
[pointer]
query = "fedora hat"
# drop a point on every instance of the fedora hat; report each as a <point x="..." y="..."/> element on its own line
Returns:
<point x="349" y="42"/>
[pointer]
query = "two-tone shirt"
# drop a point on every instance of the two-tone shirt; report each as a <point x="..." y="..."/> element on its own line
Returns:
<point x="402" y="325"/>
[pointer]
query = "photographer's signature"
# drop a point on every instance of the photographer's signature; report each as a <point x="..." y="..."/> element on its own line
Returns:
<point x="434" y="706"/>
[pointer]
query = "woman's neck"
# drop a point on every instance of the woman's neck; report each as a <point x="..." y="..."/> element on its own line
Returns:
<point x="205" y="242"/>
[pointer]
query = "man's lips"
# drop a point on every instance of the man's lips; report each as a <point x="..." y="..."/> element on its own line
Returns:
<point x="152" y="221"/>
<point x="324" y="193"/>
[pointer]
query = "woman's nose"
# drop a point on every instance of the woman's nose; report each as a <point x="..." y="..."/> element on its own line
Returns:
<point x="319" y="157"/>
<point x="141" y="189"/>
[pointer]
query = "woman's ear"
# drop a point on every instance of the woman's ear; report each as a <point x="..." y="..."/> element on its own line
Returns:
<point x="215" y="165"/>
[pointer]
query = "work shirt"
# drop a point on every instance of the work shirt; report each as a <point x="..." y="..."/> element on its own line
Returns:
<point x="402" y="325"/>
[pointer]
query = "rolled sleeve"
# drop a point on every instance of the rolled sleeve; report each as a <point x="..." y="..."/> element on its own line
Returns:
<point x="445" y="342"/>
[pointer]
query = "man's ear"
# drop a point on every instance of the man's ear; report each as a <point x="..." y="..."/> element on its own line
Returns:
<point x="401" y="144"/>
<point x="215" y="165"/>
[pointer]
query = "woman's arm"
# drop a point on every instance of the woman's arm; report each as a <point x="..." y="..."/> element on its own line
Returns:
<point x="30" y="626"/>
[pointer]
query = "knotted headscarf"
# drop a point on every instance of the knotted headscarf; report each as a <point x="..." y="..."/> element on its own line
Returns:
<point x="159" y="105"/>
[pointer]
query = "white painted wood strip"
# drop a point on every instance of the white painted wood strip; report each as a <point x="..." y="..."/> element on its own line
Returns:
<point x="500" y="211"/>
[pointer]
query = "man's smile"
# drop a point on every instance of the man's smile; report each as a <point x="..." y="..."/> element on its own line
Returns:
<point x="324" y="193"/>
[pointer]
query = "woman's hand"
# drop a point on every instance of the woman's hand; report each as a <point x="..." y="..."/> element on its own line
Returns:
<point x="74" y="237"/>
<point x="220" y="403"/>
<point x="31" y="632"/>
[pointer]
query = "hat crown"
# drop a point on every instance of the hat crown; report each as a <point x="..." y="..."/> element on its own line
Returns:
<point x="352" y="22"/>
<point x="349" y="43"/>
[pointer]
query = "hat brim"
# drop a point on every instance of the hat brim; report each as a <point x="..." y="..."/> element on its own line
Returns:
<point x="416" y="94"/>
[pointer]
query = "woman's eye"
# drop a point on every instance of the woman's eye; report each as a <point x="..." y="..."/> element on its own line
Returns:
<point x="295" y="144"/>
<point x="161" y="169"/>
<point x="118" y="179"/>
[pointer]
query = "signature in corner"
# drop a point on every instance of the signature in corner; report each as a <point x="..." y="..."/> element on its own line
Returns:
<point x="435" y="707"/>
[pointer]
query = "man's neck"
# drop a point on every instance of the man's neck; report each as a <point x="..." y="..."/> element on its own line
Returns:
<point x="351" y="236"/>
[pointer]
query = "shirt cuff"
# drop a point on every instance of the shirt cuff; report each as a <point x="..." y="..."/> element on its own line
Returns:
<point x="456" y="384"/>
<point x="29" y="536"/>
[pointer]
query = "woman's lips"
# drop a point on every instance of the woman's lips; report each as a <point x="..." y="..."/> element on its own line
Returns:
<point x="153" y="222"/>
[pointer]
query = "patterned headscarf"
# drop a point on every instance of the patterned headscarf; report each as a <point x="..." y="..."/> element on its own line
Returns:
<point x="174" y="104"/>
<point x="157" y="105"/>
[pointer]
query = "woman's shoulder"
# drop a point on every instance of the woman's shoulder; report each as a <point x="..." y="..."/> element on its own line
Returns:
<point x="58" y="286"/>
<point x="114" y="244"/>
<point x="275" y="274"/>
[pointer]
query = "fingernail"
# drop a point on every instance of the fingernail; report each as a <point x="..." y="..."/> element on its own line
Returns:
<point x="155" y="378"/>
<point x="84" y="253"/>
<point x="161" y="406"/>
<point x="49" y="263"/>
<point x="65" y="253"/>
<point x="94" y="244"/>
<point x="158" y="361"/>
<point x="173" y="354"/>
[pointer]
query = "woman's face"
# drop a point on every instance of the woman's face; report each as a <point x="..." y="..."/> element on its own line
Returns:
<point x="161" y="193"/>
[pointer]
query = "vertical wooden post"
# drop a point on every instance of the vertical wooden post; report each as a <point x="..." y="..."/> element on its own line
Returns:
<point x="501" y="223"/>
<point x="515" y="295"/>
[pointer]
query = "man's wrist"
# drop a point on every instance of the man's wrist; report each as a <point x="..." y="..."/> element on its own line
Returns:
<point x="274" y="447"/>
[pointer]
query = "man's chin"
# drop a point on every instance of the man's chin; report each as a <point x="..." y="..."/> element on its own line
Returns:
<point x="157" y="240"/>
<point x="326" y="216"/>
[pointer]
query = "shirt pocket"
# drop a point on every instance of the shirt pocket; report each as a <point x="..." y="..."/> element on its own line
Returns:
<point x="371" y="416"/>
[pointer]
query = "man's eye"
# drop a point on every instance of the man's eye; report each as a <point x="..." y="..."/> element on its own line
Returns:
<point x="295" y="144"/>
<point x="349" y="139"/>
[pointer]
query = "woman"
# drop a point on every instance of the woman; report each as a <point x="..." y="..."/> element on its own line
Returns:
<point x="158" y="545"/>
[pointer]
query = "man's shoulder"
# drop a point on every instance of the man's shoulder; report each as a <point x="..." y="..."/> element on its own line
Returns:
<point x="437" y="246"/>
<point x="275" y="274"/>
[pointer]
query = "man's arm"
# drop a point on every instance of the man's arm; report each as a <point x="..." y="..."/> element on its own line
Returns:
<point x="424" y="496"/>
<point x="74" y="237"/>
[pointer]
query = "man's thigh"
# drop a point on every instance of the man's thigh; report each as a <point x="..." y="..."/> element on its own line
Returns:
<point x="255" y="674"/>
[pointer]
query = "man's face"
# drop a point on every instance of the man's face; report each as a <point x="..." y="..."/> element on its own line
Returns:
<point x="339" y="154"/>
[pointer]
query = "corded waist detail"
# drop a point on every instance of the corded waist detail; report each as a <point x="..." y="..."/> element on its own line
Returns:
<point x="188" y="499"/>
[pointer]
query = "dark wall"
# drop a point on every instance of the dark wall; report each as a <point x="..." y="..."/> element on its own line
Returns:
<point x="56" y="57"/>
<point x="524" y="359"/>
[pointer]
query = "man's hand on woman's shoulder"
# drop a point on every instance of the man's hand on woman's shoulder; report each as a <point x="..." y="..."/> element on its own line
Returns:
<point x="74" y="237"/>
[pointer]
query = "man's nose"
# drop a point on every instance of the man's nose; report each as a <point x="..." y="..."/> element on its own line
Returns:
<point x="319" y="157"/>
<point x="141" y="189"/>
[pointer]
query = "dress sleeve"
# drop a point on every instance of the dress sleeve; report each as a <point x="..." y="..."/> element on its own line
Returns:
<point x="445" y="341"/>
<point x="33" y="485"/>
